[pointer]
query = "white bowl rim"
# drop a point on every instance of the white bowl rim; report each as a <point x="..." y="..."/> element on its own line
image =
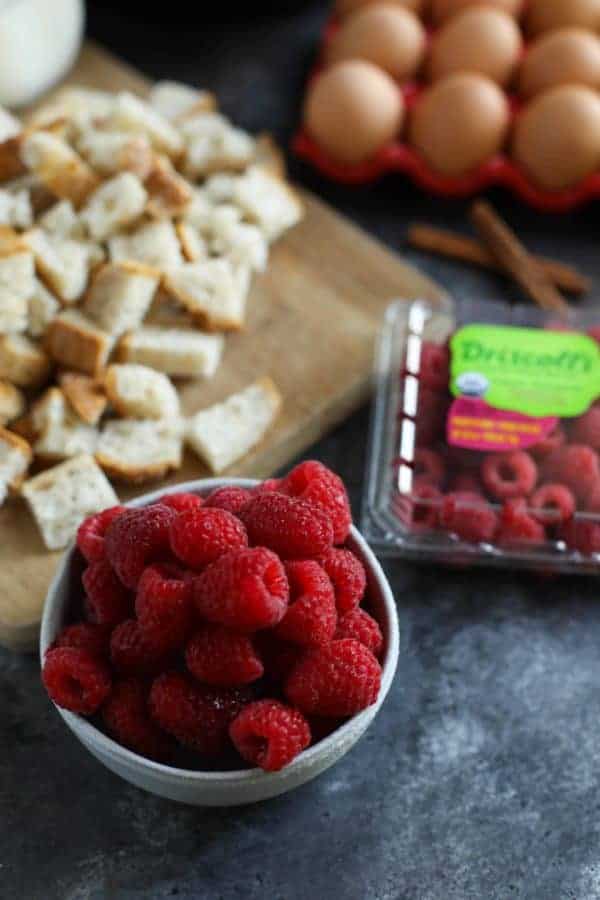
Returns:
<point x="90" y="734"/>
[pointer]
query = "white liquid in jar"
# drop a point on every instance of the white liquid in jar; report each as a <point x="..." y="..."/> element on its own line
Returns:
<point x="39" y="40"/>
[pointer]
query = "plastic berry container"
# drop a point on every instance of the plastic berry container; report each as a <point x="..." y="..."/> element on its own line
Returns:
<point x="485" y="437"/>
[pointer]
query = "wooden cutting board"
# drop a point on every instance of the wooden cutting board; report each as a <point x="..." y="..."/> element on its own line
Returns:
<point x="313" y="317"/>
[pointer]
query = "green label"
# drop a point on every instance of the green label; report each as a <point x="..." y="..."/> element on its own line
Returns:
<point x="526" y="370"/>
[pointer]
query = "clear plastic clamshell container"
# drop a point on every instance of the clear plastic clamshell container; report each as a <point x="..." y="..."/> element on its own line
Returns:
<point x="485" y="437"/>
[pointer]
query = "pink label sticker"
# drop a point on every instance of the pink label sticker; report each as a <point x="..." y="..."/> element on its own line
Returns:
<point x="476" y="426"/>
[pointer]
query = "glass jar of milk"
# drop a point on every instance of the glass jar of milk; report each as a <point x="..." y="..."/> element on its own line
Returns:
<point x="39" y="40"/>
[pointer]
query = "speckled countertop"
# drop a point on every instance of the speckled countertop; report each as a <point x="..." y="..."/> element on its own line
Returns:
<point x="478" y="781"/>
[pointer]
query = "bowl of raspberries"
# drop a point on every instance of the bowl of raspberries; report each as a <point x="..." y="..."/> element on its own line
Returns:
<point x="224" y="641"/>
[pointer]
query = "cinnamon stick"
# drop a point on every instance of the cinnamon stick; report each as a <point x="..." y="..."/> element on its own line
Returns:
<point x="512" y="255"/>
<point x="456" y="246"/>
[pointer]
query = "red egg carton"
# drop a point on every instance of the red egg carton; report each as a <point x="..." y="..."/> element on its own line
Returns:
<point x="399" y="156"/>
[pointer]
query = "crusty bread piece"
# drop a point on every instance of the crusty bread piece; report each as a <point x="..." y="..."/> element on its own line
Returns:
<point x="113" y="151"/>
<point x="210" y="291"/>
<point x="268" y="155"/>
<point x="86" y="395"/>
<point x="168" y="193"/>
<point x="117" y="203"/>
<point x="137" y="451"/>
<point x="129" y="113"/>
<point x="11" y="163"/>
<point x="243" y="244"/>
<point x="15" y="458"/>
<point x="199" y="210"/>
<point x="75" y="342"/>
<point x="15" y="209"/>
<point x="58" y="167"/>
<point x="23" y="362"/>
<point x="66" y="439"/>
<point x="175" y="100"/>
<point x="166" y="312"/>
<point x="10" y="126"/>
<point x="12" y="402"/>
<point x="48" y="410"/>
<point x="77" y="104"/>
<point x="17" y="283"/>
<point x="155" y="244"/>
<point x="180" y="353"/>
<point x="223" y="433"/>
<point x="63" y="264"/>
<point x="192" y="243"/>
<point x="220" y="189"/>
<point x="120" y="296"/>
<point x="62" y="220"/>
<point x="268" y="201"/>
<point x="62" y="497"/>
<point x="213" y="144"/>
<point x="139" y="392"/>
<point x="43" y="307"/>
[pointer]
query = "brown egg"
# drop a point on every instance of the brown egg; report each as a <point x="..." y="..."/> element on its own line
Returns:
<point x="565" y="56"/>
<point x="557" y="136"/>
<point x="481" y="39"/>
<point x="443" y="9"/>
<point x="345" y="7"/>
<point x="544" y="15"/>
<point x="388" y="36"/>
<point x="459" y="123"/>
<point x="352" y="110"/>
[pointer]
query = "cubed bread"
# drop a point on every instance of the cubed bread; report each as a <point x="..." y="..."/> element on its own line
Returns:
<point x="62" y="497"/>
<point x="192" y="243"/>
<point x="137" y="451"/>
<point x="75" y="342"/>
<point x="268" y="155"/>
<point x="155" y="244"/>
<point x="47" y="411"/>
<point x="120" y="296"/>
<point x="15" y="209"/>
<point x="11" y="163"/>
<point x="223" y="433"/>
<point x="220" y="189"/>
<point x="66" y="439"/>
<point x="62" y="221"/>
<point x="10" y="126"/>
<point x="213" y="144"/>
<point x="86" y="395"/>
<point x="60" y="169"/>
<point x="138" y="392"/>
<point x="64" y="264"/>
<point x="15" y="458"/>
<point x="180" y="353"/>
<point x="129" y="113"/>
<point x="23" y="362"/>
<point x="117" y="203"/>
<point x="210" y="291"/>
<point x="17" y="282"/>
<point x="12" y="402"/>
<point x="113" y="151"/>
<point x="43" y="307"/>
<point x="268" y="201"/>
<point x="243" y="244"/>
<point x="199" y="210"/>
<point x="168" y="192"/>
<point x="174" y="100"/>
<point x="77" y="104"/>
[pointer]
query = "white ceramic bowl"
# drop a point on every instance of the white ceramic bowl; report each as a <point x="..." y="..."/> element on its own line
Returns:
<point x="237" y="787"/>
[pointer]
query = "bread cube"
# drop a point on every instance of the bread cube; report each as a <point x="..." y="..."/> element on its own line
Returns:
<point x="213" y="144"/>
<point x="23" y="362"/>
<point x="174" y="100"/>
<point x="15" y="458"/>
<point x="86" y="395"/>
<point x="117" y="203"/>
<point x="63" y="263"/>
<point x="210" y="291"/>
<point x="138" y="392"/>
<point x="76" y="342"/>
<point x="12" y="402"/>
<point x="62" y="221"/>
<point x="59" y="168"/>
<point x="168" y="193"/>
<point x="42" y="308"/>
<point x="120" y="296"/>
<point x="180" y="353"/>
<point x="155" y="244"/>
<point x="131" y="114"/>
<point x="137" y="451"/>
<point x="15" y="209"/>
<point x="268" y="201"/>
<point x="113" y="151"/>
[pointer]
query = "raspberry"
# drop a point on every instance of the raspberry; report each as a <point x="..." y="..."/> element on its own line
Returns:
<point x="466" y="481"/>
<point x="431" y="416"/>
<point x="182" y="501"/>
<point x="267" y="486"/>
<point x="429" y="467"/>
<point x="128" y="721"/>
<point x="76" y="679"/>
<point x="552" y="504"/>
<point x="469" y="516"/>
<point x="516" y="525"/>
<point x="338" y="679"/>
<point x="291" y="528"/>
<point x="84" y="636"/>
<point x="137" y="538"/>
<point x="582" y="535"/>
<point x="133" y="653"/>
<point x="222" y="657"/>
<point x="550" y="443"/>
<point x="230" y="498"/>
<point x="245" y="589"/>
<point x="107" y="600"/>
<point x="200" y="536"/>
<point x="420" y="509"/>
<point x="507" y="475"/>
<point x="164" y="605"/>
<point x="314" y="483"/>
<point x="592" y="502"/>
<point x="360" y="626"/>
<point x="348" y="577"/>
<point x="311" y="617"/>
<point x="434" y="369"/>
<point x="575" y="466"/>
<point x="90" y="536"/>
<point x="586" y="429"/>
<point x="198" y="716"/>
<point x="269" y="734"/>
<point x="278" y="657"/>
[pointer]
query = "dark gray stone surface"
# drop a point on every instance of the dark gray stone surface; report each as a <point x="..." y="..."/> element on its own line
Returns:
<point x="478" y="780"/>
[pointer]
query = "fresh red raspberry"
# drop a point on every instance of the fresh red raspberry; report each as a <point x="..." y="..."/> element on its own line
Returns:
<point x="76" y="679"/>
<point x="429" y="467"/>
<point x="84" y="636"/>
<point x="466" y="481"/>
<point x="431" y="416"/>
<point x="133" y="653"/>
<point x="586" y="429"/>
<point x="291" y="528"/>
<point x="138" y="538"/>
<point x="582" y="535"/>
<point x="557" y="438"/>
<point x="244" y="589"/>
<point x="434" y="370"/>
<point x="128" y="721"/>
<point x="269" y="734"/>
<point x="311" y="617"/>
<point x="506" y="475"/>
<point x="90" y="536"/>
<point x="164" y="606"/>
<point x="230" y="498"/>
<point x="268" y="486"/>
<point x="225" y="658"/>
<point x="516" y="525"/>
<point x="314" y="483"/>
<point x="197" y="715"/>
<point x="552" y="504"/>
<point x="107" y="600"/>
<point x="592" y="501"/>
<point x="278" y="657"/>
<point x="575" y="466"/>
<point x="360" y="626"/>
<point x="200" y="536"/>
<point x="338" y="679"/>
<point x="181" y="501"/>
<point x="469" y="516"/>
<point x="348" y="577"/>
<point x="420" y="509"/>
